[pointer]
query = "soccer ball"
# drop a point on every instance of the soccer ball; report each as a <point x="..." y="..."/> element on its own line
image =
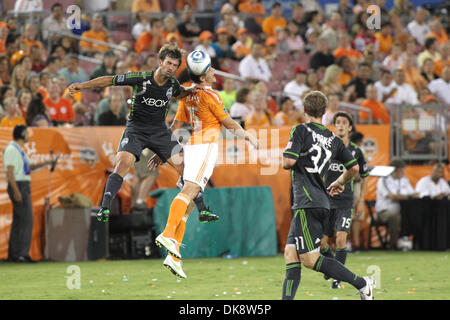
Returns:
<point x="198" y="62"/>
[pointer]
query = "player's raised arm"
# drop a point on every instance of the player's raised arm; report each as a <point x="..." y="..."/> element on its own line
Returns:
<point x="100" y="82"/>
<point x="236" y="128"/>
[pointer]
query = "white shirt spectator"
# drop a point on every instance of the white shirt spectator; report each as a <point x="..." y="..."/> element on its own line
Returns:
<point x="28" y="5"/>
<point x="418" y="31"/>
<point x="441" y="89"/>
<point x="392" y="64"/>
<point x="50" y="23"/>
<point x="239" y="110"/>
<point x="383" y="90"/>
<point x="405" y="94"/>
<point x="389" y="185"/>
<point x="138" y="28"/>
<point x="254" y="69"/>
<point x="426" y="187"/>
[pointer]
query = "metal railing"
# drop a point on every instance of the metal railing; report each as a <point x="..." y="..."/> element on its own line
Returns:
<point x="354" y="110"/>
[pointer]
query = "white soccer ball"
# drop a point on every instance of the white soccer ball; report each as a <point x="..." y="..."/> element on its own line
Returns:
<point x="198" y="62"/>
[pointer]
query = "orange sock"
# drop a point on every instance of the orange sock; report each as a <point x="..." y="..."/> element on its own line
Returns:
<point x="176" y="213"/>
<point x="179" y="233"/>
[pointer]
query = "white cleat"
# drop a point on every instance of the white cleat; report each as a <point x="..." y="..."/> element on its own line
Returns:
<point x="174" y="267"/>
<point x="366" y="292"/>
<point x="170" y="244"/>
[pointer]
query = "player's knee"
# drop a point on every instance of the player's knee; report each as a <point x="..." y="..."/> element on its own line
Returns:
<point x="290" y="254"/>
<point x="341" y="239"/>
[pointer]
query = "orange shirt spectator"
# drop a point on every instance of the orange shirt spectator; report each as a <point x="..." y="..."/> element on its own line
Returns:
<point x="253" y="7"/>
<point x="351" y="53"/>
<point x="275" y="20"/>
<point x="11" y="123"/>
<point x="3" y="36"/>
<point x="13" y="116"/>
<point x="379" y="112"/>
<point x="439" y="66"/>
<point x="384" y="43"/>
<point x="345" y="78"/>
<point x="441" y="37"/>
<point x="94" y="35"/>
<point x="258" y="118"/>
<point x="145" y="6"/>
<point x="150" y="40"/>
<point x="60" y="111"/>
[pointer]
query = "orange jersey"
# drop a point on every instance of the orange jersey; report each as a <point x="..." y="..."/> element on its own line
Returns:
<point x="204" y="111"/>
<point x="100" y="36"/>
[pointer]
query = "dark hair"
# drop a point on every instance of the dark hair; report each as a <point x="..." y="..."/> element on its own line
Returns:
<point x="241" y="94"/>
<point x="153" y="21"/>
<point x="429" y="42"/>
<point x="315" y="103"/>
<point x="398" y="164"/>
<point x="51" y="59"/>
<point x="171" y="51"/>
<point x="343" y="114"/>
<point x="284" y="99"/>
<point x="363" y="64"/>
<point x="276" y="4"/>
<point x="35" y="108"/>
<point x="19" y="132"/>
<point x="194" y="77"/>
<point x="356" y="137"/>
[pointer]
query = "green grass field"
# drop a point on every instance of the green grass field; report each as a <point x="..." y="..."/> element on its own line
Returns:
<point x="403" y="275"/>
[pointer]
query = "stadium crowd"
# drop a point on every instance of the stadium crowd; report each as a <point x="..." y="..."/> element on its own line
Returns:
<point x="278" y="58"/>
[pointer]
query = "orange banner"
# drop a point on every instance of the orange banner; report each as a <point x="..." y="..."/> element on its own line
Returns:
<point x="88" y="153"/>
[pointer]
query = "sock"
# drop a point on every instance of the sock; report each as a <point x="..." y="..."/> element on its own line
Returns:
<point x="179" y="233"/>
<point x="292" y="280"/>
<point x="336" y="270"/>
<point x="113" y="185"/>
<point x="176" y="213"/>
<point x="341" y="255"/>
<point x="327" y="252"/>
<point x="199" y="202"/>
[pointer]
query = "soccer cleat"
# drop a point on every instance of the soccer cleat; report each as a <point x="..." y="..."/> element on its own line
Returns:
<point x="336" y="284"/>
<point x="366" y="292"/>
<point x="207" y="216"/>
<point x="174" y="267"/>
<point x="103" y="215"/>
<point x="169" y="244"/>
<point x="326" y="277"/>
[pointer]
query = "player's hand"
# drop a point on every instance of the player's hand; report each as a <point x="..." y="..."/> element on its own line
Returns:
<point x="18" y="196"/>
<point x="74" y="88"/>
<point x="154" y="162"/>
<point x="335" y="188"/>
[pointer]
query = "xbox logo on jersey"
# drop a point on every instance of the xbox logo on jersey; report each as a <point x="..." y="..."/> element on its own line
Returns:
<point x="154" y="103"/>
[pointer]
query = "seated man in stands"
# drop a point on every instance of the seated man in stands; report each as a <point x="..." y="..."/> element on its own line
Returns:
<point x="379" y="113"/>
<point x="434" y="186"/>
<point x="98" y="32"/>
<point x="390" y="190"/>
<point x="113" y="116"/>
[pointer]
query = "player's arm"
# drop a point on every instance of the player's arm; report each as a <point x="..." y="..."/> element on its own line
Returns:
<point x="364" y="174"/>
<point x="292" y="151"/>
<point x="352" y="168"/>
<point x="236" y="128"/>
<point x="100" y="82"/>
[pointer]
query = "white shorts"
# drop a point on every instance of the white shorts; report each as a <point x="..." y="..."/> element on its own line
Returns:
<point x="199" y="162"/>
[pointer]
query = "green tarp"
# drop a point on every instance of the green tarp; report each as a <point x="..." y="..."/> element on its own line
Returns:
<point x="246" y="226"/>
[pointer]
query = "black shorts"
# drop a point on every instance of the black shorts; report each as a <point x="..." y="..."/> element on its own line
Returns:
<point x="338" y="220"/>
<point x="306" y="229"/>
<point x="158" y="139"/>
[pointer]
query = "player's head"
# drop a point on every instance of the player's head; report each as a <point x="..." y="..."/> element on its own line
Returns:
<point x="315" y="103"/>
<point x="343" y="123"/>
<point x="170" y="57"/>
<point x="207" y="78"/>
<point x="204" y="74"/>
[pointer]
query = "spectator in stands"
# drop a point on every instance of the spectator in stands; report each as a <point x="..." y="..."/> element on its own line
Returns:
<point x="170" y="27"/>
<point x="418" y="28"/>
<point x="188" y="27"/>
<point x="312" y="80"/>
<point x="228" y="94"/>
<point x="108" y="67"/>
<point x="365" y="38"/>
<point x="99" y="6"/>
<point x="399" y="31"/>
<point x="37" y="61"/>
<point x="60" y="108"/>
<point x="261" y="116"/>
<point x="315" y="21"/>
<point x="412" y="73"/>
<point x="113" y="117"/>
<point x="73" y="72"/>
<point x="274" y="20"/>
<point x="404" y="93"/>
<point x="438" y="32"/>
<point x="98" y="32"/>
<point x="3" y="37"/>
<point x="151" y="40"/>
<point x="355" y="91"/>
<point x="13" y="115"/>
<point x="270" y="51"/>
<point x="434" y="186"/>
<point x="272" y="105"/>
<point x="104" y="104"/>
<point x="330" y="81"/>
<point x="298" y="19"/>
<point x="243" y="106"/>
<point x="344" y="48"/>
<point x="332" y="108"/>
<point x="150" y="63"/>
<point x="19" y="77"/>
<point x="253" y="7"/>
<point x="53" y="64"/>
<point x="222" y="46"/>
<point x="431" y="46"/>
<point x="322" y="58"/>
<point x="206" y="39"/>
<point x="390" y="190"/>
<point x="37" y="114"/>
<point x="54" y="22"/>
<point x="81" y="117"/>
<point x="295" y="88"/>
<point x="331" y="32"/>
<point x="294" y="40"/>
<point x="346" y="13"/>
<point x="379" y="113"/>
<point x="24" y="6"/>
<point x="24" y="99"/>
<point x="33" y="84"/>
<point x="394" y="60"/>
<point x="385" y="86"/>
<point x="288" y="115"/>
<point x="142" y="25"/>
<point x="5" y="92"/>
<point x="384" y="39"/>
<point x="31" y="37"/>
<point x="444" y="60"/>
<point x="427" y="70"/>
<point x="441" y="87"/>
<point x="145" y="6"/>
<point x="5" y="74"/>
<point x="253" y="67"/>
<point x="242" y="47"/>
<point x="232" y="23"/>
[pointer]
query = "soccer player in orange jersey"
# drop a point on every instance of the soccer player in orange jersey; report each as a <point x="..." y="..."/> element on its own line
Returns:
<point x="206" y="114"/>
